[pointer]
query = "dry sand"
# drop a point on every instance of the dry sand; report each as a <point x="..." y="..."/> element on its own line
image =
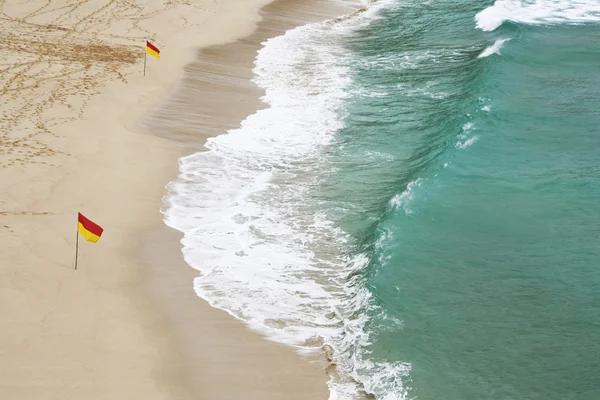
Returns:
<point x="127" y="324"/>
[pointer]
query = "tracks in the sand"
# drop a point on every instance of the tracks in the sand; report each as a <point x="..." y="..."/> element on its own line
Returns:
<point x="56" y="54"/>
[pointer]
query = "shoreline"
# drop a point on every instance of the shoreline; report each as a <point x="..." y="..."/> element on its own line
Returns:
<point x="226" y="69"/>
<point x="70" y="130"/>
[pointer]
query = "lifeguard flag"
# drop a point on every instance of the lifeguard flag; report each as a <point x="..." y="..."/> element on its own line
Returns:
<point x="152" y="50"/>
<point x="89" y="230"/>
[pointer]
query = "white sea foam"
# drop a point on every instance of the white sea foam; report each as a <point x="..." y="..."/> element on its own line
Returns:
<point x="485" y="104"/>
<point x="467" y="143"/>
<point x="493" y="49"/>
<point x="245" y="228"/>
<point x="403" y="200"/>
<point x="465" y="139"/>
<point x="538" y="12"/>
<point x="264" y="251"/>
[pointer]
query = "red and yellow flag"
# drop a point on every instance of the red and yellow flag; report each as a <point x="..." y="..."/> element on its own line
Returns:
<point x="89" y="230"/>
<point x="152" y="50"/>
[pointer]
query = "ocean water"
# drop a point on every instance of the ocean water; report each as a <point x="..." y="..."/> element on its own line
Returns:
<point x="421" y="198"/>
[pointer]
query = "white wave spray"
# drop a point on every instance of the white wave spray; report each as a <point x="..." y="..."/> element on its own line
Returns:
<point x="493" y="49"/>
<point x="535" y="12"/>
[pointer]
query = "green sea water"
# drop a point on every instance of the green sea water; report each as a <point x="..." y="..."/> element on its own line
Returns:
<point x="471" y="183"/>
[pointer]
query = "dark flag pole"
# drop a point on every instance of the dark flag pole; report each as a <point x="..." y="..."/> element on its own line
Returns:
<point x="77" y="243"/>
<point x="145" y="62"/>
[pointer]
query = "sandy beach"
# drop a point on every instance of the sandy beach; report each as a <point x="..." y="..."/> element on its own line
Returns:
<point x="82" y="130"/>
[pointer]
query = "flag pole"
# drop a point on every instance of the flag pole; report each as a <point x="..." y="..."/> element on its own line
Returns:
<point x="144" y="63"/>
<point x="77" y="243"/>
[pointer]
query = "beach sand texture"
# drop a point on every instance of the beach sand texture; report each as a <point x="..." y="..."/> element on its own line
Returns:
<point x="126" y="324"/>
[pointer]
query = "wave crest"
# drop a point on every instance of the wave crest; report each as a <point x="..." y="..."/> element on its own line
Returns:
<point x="538" y="12"/>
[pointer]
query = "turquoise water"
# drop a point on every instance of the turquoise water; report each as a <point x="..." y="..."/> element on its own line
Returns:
<point x="472" y="185"/>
